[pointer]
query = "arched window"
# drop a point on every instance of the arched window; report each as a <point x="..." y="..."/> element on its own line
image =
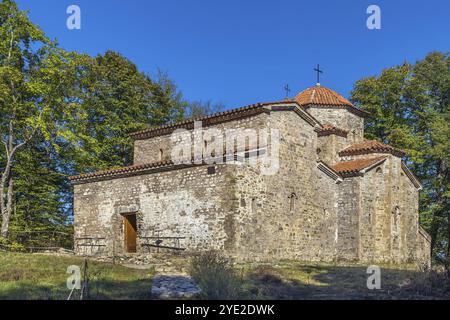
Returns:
<point x="253" y="205"/>
<point x="396" y="212"/>
<point x="161" y="154"/>
<point x="379" y="171"/>
<point x="292" y="199"/>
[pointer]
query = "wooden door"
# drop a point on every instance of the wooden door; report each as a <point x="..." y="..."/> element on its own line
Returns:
<point x="130" y="233"/>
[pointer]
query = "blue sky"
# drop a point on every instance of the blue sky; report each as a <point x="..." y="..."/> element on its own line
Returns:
<point x="242" y="52"/>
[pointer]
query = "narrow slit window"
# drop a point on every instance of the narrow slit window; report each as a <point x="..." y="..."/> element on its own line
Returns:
<point x="292" y="199"/>
<point x="253" y="204"/>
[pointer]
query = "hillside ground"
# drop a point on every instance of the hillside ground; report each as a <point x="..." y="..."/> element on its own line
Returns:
<point x="342" y="281"/>
<point x="44" y="276"/>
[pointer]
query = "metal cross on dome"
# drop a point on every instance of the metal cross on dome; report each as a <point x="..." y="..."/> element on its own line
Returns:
<point x="318" y="73"/>
<point x="288" y="90"/>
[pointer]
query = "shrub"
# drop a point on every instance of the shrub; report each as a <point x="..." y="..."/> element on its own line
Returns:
<point x="8" y="245"/>
<point x="216" y="277"/>
<point x="433" y="283"/>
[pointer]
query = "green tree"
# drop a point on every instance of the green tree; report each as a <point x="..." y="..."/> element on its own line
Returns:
<point x="64" y="113"/>
<point x="115" y="99"/>
<point x="33" y="76"/>
<point x="197" y="109"/>
<point x="409" y="106"/>
<point x="39" y="192"/>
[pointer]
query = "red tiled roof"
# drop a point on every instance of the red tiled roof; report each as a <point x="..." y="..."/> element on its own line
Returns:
<point x="371" y="146"/>
<point x="119" y="171"/>
<point x="323" y="96"/>
<point x="349" y="168"/>
<point x="252" y="109"/>
<point x="147" y="168"/>
<point x="328" y="129"/>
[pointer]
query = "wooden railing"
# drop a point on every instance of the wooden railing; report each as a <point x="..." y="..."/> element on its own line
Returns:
<point x="90" y="245"/>
<point x="169" y="243"/>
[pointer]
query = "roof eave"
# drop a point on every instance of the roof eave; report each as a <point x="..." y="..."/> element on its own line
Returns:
<point x="348" y="107"/>
<point x="415" y="181"/>
<point x="329" y="171"/>
<point x="396" y="152"/>
<point x="230" y="115"/>
<point x="374" y="165"/>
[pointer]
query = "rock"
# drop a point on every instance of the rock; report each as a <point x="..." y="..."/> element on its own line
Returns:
<point x="174" y="286"/>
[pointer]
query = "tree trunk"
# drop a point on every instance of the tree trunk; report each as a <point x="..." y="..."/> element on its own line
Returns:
<point x="438" y="221"/>
<point x="2" y="203"/>
<point x="7" y="182"/>
<point x="7" y="210"/>
<point x="6" y="198"/>
<point x="448" y="237"/>
<point x="434" y="230"/>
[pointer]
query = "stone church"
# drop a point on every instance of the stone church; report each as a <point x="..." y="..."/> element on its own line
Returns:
<point x="334" y="195"/>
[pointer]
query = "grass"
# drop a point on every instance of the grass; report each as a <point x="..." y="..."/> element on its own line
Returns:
<point x="294" y="280"/>
<point x="300" y="280"/>
<point x="43" y="277"/>
<point x="40" y="276"/>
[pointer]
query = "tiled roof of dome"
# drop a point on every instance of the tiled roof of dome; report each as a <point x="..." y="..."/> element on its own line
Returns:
<point x="319" y="95"/>
<point x="322" y="96"/>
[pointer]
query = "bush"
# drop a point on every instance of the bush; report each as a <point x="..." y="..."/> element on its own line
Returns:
<point x="216" y="277"/>
<point x="8" y="245"/>
<point x="434" y="284"/>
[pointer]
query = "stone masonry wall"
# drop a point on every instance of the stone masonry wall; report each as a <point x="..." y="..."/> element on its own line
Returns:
<point x="329" y="148"/>
<point x="181" y="203"/>
<point x="389" y="215"/>
<point x="348" y="202"/>
<point x="341" y="118"/>
<point x="293" y="215"/>
<point x="150" y="150"/>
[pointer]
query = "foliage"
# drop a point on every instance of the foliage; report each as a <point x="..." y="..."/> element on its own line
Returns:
<point x="196" y="109"/>
<point x="10" y="245"/>
<point x="34" y="76"/>
<point x="216" y="277"/>
<point x="114" y="99"/>
<point x="64" y="113"/>
<point x="409" y="106"/>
